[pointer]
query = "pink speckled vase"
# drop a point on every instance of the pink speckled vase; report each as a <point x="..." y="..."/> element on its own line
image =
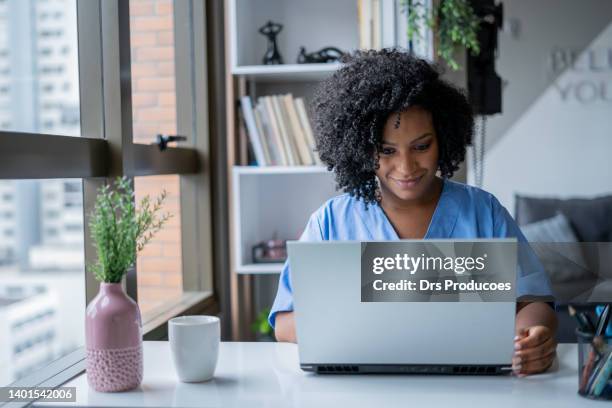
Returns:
<point x="113" y="337"/>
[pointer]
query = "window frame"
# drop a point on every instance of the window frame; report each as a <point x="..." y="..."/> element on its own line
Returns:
<point x="106" y="150"/>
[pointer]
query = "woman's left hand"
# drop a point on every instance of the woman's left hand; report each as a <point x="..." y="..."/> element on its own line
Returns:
<point x="534" y="350"/>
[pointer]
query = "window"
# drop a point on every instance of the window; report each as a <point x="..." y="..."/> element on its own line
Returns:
<point x="160" y="278"/>
<point x="47" y="217"/>
<point x="49" y="180"/>
<point x="51" y="232"/>
<point x="154" y="112"/>
<point x="153" y="73"/>
<point x="71" y="203"/>
<point x="28" y="37"/>
<point x="74" y="228"/>
<point x="72" y="188"/>
<point x="52" y="214"/>
<point x="41" y="298"/>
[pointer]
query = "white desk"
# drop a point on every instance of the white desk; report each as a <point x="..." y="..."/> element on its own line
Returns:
<point x="268" y="375"/>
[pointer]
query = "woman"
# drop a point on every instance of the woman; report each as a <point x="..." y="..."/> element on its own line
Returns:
<point x="393" y="133"/>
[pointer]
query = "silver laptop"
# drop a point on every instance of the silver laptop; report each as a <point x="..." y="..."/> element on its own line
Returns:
<point x="339" y="333"/>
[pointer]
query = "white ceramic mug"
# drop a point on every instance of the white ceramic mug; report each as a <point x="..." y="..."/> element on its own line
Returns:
<point x="194" y="341"/>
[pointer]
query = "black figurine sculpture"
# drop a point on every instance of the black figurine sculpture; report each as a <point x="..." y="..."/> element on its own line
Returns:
<point x="271" y="30"/>
<point x="327" y="54"/>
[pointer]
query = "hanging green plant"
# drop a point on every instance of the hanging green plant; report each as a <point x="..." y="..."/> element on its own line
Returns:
<point x="454" y="21"/>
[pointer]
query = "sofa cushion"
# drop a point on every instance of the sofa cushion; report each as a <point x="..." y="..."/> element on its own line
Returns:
<point x="557" y="247"/>
<point x="591" y="218"/>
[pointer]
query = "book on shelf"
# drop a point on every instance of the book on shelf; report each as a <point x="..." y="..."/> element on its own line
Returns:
<point x="274" y="152"/>
<point x="369" y="14"/>
<point x="376" y="24"/>
<point x="279" y="131"/>
<point x="252" y="130"/>
<point x="297" y="130"/>
<point x="265" y="144"/>
<point x="384" y="24"/>
<point x="287" y="138"/>
<point x="305" y="121"/>
<point x="364" y="15"/>
<point x="274" y="137"/>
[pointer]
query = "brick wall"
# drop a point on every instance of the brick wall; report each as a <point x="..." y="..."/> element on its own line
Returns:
<point x="154" y="111"/>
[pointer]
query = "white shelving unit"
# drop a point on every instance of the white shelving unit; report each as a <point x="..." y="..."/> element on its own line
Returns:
<point x="313" y="24"/>
<point x="268" y="202"/>
<point x="286" y="72"/>
<point x="273" y="202"/>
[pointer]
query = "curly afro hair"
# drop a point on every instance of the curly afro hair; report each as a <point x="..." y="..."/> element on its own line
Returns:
<point x="351" y="108"/>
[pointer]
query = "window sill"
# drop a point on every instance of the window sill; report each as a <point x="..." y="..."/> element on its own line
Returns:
<point x="154" y="328"/>
<point x="55" y="374"/>
<point x="155" y="324"/>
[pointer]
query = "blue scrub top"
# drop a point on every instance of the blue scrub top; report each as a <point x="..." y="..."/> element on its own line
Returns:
<point x="462" y="212"/>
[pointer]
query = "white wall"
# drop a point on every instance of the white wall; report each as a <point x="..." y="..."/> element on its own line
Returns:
<point x="555" y="135"/>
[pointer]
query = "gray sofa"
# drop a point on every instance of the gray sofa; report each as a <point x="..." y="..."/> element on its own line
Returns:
<point x="578" y="262"/>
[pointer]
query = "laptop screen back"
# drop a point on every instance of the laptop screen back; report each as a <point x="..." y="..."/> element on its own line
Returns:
<point x="334" y="326"/>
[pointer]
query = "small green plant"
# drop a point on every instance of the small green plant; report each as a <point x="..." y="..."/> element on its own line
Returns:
<point x="119" y="229"/>
<point x="261" y="325"/>
<point x="455" y="21"/>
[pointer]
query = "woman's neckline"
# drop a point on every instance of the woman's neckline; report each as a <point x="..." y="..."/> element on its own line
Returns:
<point x="434" y="216"/>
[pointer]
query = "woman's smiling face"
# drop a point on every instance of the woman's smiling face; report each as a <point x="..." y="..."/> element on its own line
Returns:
<point x="408" y="157"/>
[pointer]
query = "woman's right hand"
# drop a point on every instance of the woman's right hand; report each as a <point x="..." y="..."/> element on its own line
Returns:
<point x="285" y="327"/>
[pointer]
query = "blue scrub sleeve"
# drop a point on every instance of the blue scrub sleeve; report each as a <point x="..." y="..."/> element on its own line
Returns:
<point x="284" y="295"/>
<point x="532" y="279"/>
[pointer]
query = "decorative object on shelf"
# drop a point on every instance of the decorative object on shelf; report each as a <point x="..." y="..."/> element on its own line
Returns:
<point x="324" y="55"/>
<point x="455" y="23"/>
<point x="271" y="30"/>
<point x="271" y="251"/>
<point x="261" y="328"/>
<point x="113" y="326"/>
